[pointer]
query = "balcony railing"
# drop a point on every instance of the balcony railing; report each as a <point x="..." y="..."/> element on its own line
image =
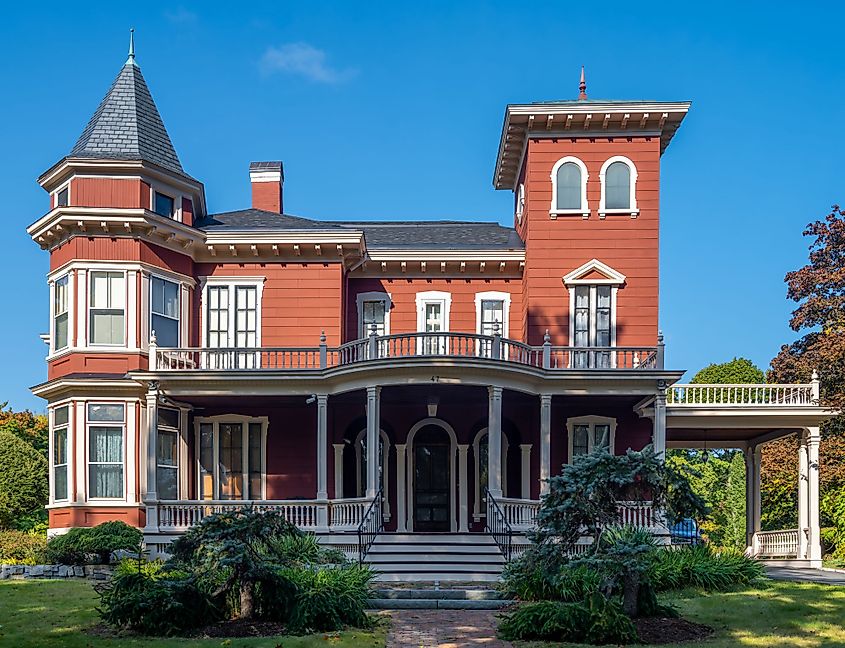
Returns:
<point x="748" y="395"/>
<point x="450" y="346"/>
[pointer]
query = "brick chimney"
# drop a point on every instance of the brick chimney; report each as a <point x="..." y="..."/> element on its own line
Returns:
<point x="267" y="179"/>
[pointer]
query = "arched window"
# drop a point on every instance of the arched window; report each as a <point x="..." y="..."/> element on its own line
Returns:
<point x="569" y="187"/>
<point x="618" y="187"/>
<point x="481" y="456"/>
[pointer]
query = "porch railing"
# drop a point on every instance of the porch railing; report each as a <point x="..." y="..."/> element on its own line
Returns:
<point x="347" y="513"/>
<point x="497" y="525"/>
<point x="448" y="345"/>
<point x="748" y="395"/>
<point x="521" y="514"/>
<point x="776" y="544"/>
<point x="371" y="525"/>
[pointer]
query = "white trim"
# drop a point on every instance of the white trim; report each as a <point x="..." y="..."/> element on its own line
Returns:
<point x="265" y="176"/>
<point x="147" y="307"/>
<point x="244" y="421"/>
<point x="231" y="282"/>
<point x="632" y="201"/>
<point x="89" y="289"/>
<point x="94" y="264"/>
<point x="171" y="192"/>
<point x="372" y="296"/>
<point x="453" y="449"/>
<point x="584" y="209"/>
<point x="519" y="212"/>
<point x="591" y="421"/>
<point x="125" y="447"/>
<point x="477" y="513"/>
<point x="433" y="297"/>
<point x="494" y="295"/>
<point x="612" y="277"/>
<point x="54" y="195"/>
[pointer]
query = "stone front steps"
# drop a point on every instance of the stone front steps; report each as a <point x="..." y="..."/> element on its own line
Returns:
<point x="413" y="598"/>
<point x="435" y="557"/>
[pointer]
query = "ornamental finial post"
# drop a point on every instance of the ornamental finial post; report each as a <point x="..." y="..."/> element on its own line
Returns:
<point x="131" y="59"/>
<point x="816" y="387"/>
<point x="582" y="86"/>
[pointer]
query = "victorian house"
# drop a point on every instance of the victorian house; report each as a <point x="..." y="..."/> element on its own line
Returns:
<point x="402" y="389"/>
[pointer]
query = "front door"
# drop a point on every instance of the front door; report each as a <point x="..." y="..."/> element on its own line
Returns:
<point x="432" y="509"/>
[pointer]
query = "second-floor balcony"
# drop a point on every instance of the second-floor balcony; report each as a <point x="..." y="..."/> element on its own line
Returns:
<point x="404" y="346"/>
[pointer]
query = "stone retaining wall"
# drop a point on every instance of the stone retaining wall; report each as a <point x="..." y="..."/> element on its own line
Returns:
<point x="27" y="572"/>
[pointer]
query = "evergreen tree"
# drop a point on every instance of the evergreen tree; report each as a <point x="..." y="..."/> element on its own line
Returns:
<point x="734" y="535"/>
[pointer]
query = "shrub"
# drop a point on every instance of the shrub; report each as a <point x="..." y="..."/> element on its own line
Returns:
<point x="80" y="546"/>
<point x="702" y="566"/>
<point x="329" y="598"/>
<point x="20" y="548"/>
<point x="304" y="549"/>
<point x="23" y="479"/>
<point x="155" y="604"/>
<point x="541" y="573"/>
<point x="596" y="620"/>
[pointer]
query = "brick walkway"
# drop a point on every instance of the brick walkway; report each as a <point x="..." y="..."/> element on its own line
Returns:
<point x="444" y="629"/>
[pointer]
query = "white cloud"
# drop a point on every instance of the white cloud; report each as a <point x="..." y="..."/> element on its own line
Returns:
<point x="305" y="60"/>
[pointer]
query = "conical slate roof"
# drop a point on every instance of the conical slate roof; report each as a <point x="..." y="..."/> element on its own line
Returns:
<point x="127" y="125"/>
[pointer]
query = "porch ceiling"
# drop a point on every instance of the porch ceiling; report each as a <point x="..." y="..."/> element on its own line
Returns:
<point x="724" y="437"/>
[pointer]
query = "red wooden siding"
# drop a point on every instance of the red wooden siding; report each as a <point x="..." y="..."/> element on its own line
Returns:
<point x="108" y="192"/>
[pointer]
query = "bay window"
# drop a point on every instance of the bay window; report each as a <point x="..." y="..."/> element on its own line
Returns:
<point x="106" y="427"/>
<point x="107" y="311"/>
<point x="60" y="476"/>
<point x="167" y="460"/>
<point x="231" y="458"/>
<point x="60" y="313"/>
<point x="164" y="311"/>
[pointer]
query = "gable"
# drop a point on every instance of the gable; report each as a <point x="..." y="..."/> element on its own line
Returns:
<point x="594" y="272"/>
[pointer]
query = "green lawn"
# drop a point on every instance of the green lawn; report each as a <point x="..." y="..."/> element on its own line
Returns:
<point x="783" y="614"/>
<point x="59" y="613"/>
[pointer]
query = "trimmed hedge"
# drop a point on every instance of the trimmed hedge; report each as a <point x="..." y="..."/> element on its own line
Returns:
<point x="83" y="546"/>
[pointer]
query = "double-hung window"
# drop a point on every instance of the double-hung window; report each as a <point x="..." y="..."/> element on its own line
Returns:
<point x="231" y="458"/>
<point x="164" y="311"/>
<point x="107" y="308"/>
<point x="106" y="428"/>
<point x="167" y="450"/>
<point x="60" y="476"/>
<point x="232" y="322"/>
<point x="592" y="326"/>
<point x="62" y="196"/>
<point x="589" y="433"/>
<point x="60" y="313"/>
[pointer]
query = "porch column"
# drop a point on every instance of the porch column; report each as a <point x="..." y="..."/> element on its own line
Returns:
<point x="749" y="499"/>
<point x="494" y="442"/>
<point x="463" y="486"/>
<point x="803" y="496"/>
<point x="401" y="515"/>
<point x="373" y="416"/>
<point x="545" y="442"/>
<point x="659" y="433"/>
<point x="525" y="453"/>
<point x="757" y="500"/>
<point x="338" y="470"/>
<point x="151" y="495"/>
<point x="322" y="462"/>
<point x="815" y="548"/>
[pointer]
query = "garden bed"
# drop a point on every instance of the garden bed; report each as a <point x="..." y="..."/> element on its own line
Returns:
<point x="661" y="630"/>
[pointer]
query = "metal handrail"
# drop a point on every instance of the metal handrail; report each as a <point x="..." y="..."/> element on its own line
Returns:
<point x="497" y="525"/>
<point x="371" y="525"/>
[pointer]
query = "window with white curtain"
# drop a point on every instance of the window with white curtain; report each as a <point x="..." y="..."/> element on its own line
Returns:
<point x="167" y="449"/>
<point x="164" y="311"/>
<point x="231" y="461"/>
<point x="106" y="426"/>
<point x="107" y="308"/>
<point x="60" y="428"/>
<point x="60" y="313"/>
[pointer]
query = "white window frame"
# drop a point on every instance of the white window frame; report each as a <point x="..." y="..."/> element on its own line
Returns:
<point x="181" y="320"/>
<point x="71" y="280"/>
<point x="231" y="283"/>
<point x="584" y="210"/>
<point x="519" y="211"/>
<point x="128" y="287"/>
<point x="494" y="295"/>
<point x="633" y="210"/>
<point x="170" y="192"/>
<point x="612" y="278"/>
<point x="373" y="296"/>
<point x="68" y="445"/>
<point x="178" y="455"/>
<point x="54" y="197"/>
<point x="125" y="448"/>
<point x="244" y="421"/>
<point x="433" y="297"/>
<point x="590" y="421"/>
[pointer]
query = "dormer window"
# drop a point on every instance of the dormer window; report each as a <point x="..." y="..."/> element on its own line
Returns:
<point x="618" y="179"/>
<point x="62" y="197"/>
<point x="163" y="205"/>
<point x="569" y="188"/>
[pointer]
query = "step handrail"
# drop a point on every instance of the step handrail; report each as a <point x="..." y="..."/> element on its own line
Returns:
<point x="371" y="525"/>
<point x="497" y="525"/>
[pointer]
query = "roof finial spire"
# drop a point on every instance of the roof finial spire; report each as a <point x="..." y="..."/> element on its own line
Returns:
<point x="582" y="87"/>
<point x="131" y="59"/>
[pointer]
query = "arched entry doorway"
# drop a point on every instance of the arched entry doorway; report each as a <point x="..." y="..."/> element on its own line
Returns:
<point x="432" y="448"/>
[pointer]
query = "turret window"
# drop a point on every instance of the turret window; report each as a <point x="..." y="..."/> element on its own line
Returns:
<point x="60" y="314"/>
<point x="108" y="308"/>
<point x="569" y="188"/>
<point x="618" y="179"/>
<point x="163" y="205"/>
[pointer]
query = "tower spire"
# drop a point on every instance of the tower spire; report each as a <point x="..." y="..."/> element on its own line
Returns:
<point x="582" y="86"/>
<point x="131" y="59"/>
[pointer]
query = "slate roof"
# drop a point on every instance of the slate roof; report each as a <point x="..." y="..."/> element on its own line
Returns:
<point x="466" y="235"/>
<point x="127" y="125"/>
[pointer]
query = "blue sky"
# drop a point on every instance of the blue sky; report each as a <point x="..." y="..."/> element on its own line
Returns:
<point x="381" y="110"/>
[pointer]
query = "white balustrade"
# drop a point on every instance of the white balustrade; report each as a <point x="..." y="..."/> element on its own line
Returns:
<point x="776" y="544"/>
<point x="640" y="514"/>
<point x="521" y="514"/>
<point x="180" y="515"/>
<point x="346" y="514"/>
<point x="741" y="395"/>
